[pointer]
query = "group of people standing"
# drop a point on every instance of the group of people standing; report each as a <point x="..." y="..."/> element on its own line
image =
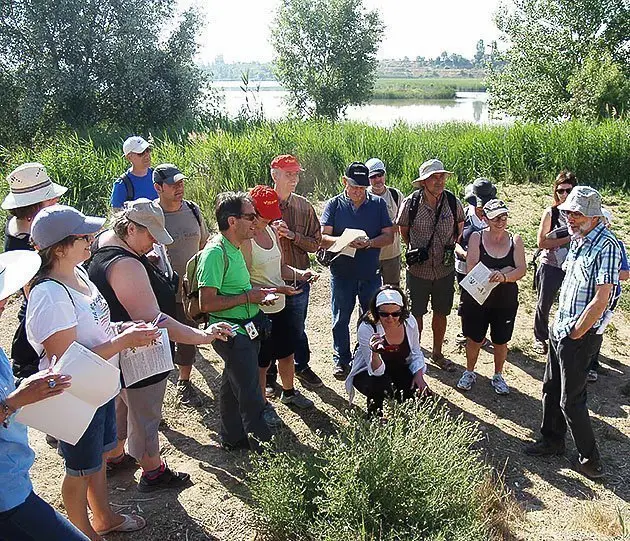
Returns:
<point x="113" y="289"/>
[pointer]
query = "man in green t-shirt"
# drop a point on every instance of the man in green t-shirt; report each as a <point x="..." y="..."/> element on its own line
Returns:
<point x="225" y="292"/>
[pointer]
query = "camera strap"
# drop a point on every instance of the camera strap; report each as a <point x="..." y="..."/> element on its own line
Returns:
<point x="438" y="213"/>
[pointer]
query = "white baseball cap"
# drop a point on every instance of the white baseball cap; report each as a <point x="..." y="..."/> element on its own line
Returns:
<point x="135" y="144"/>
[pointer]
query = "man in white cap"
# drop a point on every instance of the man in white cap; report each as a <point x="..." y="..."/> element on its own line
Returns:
<point x="389" y="260"/>
<point x="431" y="221"/>
<point x="184" y="222"/>
<point x="137" y="181"/>
<point x="587" y="293"/>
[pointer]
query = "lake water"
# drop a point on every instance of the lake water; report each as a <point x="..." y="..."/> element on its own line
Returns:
<point x="466" y="107"/>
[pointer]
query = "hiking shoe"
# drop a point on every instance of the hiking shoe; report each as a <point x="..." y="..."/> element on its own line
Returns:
<point x="592" y="469"/>
<point x="240" y="445"/>
<point x="467" y="380"/>
<point x="119" y="464"/>
<point x="167" y="478"/>
<point x="500" y="387"/>
<point x="186" y="394"/>
<point x="545" y="447"/>
<point x="271" y="417"/>
<point x="296" y="399"/>
<point x="540" y="347"/>
<point x="460" y="339"/>
<point x="309" y="379"/>
<point x="592" y="376"/>
<point x="271" y="388"/>
<point x="341" y="372"/>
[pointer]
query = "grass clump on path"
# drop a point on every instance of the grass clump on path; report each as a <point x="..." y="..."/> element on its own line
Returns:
<point x="414" y="478"/>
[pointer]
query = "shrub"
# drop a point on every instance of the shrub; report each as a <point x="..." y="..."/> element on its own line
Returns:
<point x="414" y="478"/>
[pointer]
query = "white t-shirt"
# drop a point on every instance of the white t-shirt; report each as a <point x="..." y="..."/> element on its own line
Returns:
<point x="50" y="310"/>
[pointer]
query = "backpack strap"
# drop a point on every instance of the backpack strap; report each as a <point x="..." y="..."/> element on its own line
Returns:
<point x="193" y="208"/>
<point x="131" y="191"/>
<point x="48" y="279"/>
<point x="395" y="195"/>
<point x="413" y="206"/>
<point x="225" y="260"/>
<point x="555" y="217"/>
<point x="452" y="203"/>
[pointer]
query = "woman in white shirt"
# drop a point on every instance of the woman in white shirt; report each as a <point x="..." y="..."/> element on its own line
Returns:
<point x="388" y="360"/>
<point x="64" y="307"/>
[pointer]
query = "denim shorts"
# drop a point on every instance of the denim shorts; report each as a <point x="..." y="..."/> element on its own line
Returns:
<point x="86" y="457"/>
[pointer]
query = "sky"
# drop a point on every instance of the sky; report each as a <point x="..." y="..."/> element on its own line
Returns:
<point x="239" y="29"/>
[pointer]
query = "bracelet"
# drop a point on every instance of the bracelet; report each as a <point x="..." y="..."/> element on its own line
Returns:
<point x="7" y="411"/>
<point x="369" y="243"/>
<point x="504" y="277"/>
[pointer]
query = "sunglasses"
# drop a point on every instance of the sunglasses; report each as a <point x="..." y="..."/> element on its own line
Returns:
<point x="398" y="313"/>
<point x="561" y="191"/>
<point x="500" y="218"/>
<point x="377" y="175"/>
<point x="249" y="216"/>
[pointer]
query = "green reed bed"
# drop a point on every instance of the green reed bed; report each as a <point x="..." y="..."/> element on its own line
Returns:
<point x="429" y="88"/>
<point x="218" y="160"/>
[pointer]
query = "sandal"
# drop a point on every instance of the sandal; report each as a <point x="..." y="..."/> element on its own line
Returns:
<point x="130" y="523"/>
<point x="445" y="364"/>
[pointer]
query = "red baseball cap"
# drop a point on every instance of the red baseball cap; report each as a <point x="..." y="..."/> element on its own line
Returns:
<point x="266" y="202"/>
<point x="286" y="162"/>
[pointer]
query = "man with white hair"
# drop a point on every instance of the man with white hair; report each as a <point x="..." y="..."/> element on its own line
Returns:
<point x="586" y="296"/>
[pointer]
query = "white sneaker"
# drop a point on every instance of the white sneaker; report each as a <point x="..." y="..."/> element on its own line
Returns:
<point x="467" y="380"/>
<point x="500" y="387"/>
<point x="592" y="376"/>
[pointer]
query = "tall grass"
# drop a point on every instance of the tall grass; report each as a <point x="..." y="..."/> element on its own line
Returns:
<point x="239" y="157"/>
<point x="414" y="478"/>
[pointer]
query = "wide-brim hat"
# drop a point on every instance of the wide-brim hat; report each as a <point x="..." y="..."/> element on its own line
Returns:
<point x="30" y="184"/>
<point x="480" y="192"/>
<point x="585" y="200"/>
<point x="427" y="169"/>
<point x="17" y="268"/>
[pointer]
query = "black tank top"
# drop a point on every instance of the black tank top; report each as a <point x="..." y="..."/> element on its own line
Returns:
<point x="391" y="358"/>
<point x="496" y="263"/>
<point x="163" y="289"/>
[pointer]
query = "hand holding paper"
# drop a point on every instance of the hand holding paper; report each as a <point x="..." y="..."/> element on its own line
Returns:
<point x="477" y="283"/>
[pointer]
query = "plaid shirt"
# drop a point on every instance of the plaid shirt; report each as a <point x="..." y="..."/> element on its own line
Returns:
<point x="420" y="233"/>
<point x="300" y="218"/>
<point x="593" y="260"/>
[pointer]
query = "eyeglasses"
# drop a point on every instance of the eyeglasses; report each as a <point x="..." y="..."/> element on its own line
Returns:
<point x="500" y="218"/>
<point x="249" y="216"/>
<point x="390" y="314"/>
<point x="572" y="214"/>
<point x="86" y="238"/>
<point x="561" y="191"/>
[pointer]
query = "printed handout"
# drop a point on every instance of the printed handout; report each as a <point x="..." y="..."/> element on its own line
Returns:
<point x="477" y="283"/>
<point x="143" y="362"/>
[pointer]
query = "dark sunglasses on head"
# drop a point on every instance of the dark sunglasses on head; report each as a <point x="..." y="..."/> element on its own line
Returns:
<point x="390" y="314"/>
<point x="563" y="190"/>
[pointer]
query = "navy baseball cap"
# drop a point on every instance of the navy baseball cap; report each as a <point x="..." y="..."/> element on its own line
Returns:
<point x="55" y="223"/>
<point x="357" y="174"/>
<point x="167" y="173"/>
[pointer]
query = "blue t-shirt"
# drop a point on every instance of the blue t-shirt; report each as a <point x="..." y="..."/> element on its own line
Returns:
<point x="16" y="457"/>
<point x="371" y="217"/>
<point x="142" y="187"/>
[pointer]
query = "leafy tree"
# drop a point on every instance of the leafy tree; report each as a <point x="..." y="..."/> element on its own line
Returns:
<point x="80" y="62"/>
<point x="550" y="42"/>
<point x="326" y="54"/>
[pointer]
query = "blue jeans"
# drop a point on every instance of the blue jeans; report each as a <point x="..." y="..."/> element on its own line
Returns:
<point x="299" y="307"/>
<point x="35" y="520"/>
<point x="344" y="292"/>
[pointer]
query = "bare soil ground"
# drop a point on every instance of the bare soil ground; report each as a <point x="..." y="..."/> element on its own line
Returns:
<point x="557" y="503"/>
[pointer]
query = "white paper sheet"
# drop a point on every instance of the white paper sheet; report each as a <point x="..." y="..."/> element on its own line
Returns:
<point x="140" y="363"/>
<point x="67" y="416"/>
<point x="348" y="236"/>
<point x="477" y="283"/>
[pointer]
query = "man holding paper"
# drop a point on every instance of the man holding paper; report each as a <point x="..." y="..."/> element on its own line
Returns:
<point x="587" y="292"/>
<point x="360" y="219"/>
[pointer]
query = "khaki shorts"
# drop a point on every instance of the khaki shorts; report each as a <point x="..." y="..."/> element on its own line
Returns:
<point x="390" y="271"/>
<point x="138" y="416"/>
<point x="185" y="354"/>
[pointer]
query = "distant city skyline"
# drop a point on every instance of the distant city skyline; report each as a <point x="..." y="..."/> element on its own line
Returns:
<point x="239" y="31"/>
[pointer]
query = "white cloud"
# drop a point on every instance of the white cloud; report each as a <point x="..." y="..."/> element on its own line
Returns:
<point x="239" y="30"/>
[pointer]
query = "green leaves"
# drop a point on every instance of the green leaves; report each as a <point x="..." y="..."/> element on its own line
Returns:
<point x="326" y="54"/>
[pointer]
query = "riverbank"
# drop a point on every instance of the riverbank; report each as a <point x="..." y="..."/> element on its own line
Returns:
<point x="427" y="88"/>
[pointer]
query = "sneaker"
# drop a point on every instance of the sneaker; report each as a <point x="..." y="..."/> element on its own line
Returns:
<point x="309" y="379"/>
<point x="52" y="441"/>
<point x="592" y="469"/>
<point x="240" y="445"/>
<point x="271" y="417"/>
<point x="460" y="340"/>
<point x="592" y="376"/>
<point x="500" y="387"/>
<point x="540" y="347"/>
<point x="166" y="479"/>
<point x="467" y="380"/>
<point x="341" y="372"/>
<point x="545" y="447"/>
<point x="271" y="388"/>
<point x="487" y="345"/>
<point x="120" y="464"/>
<point x="187" y="395"/>
<point x="296" y="399"/>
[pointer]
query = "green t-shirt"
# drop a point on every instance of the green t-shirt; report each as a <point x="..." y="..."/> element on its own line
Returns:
<point x="211" y="272"/>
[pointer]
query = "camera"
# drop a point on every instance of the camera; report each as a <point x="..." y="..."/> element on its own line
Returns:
<point x="416" y="255"/>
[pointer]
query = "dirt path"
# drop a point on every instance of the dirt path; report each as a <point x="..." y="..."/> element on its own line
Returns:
<point x="558" y="504"/>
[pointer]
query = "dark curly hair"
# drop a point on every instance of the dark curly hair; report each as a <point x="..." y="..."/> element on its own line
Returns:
<point x="372" y="313"/>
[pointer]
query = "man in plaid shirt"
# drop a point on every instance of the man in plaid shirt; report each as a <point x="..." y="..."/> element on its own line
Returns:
<point x="592" y="273"/>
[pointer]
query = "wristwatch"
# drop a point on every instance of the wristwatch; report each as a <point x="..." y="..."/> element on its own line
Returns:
<point x="6" y="412"/>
